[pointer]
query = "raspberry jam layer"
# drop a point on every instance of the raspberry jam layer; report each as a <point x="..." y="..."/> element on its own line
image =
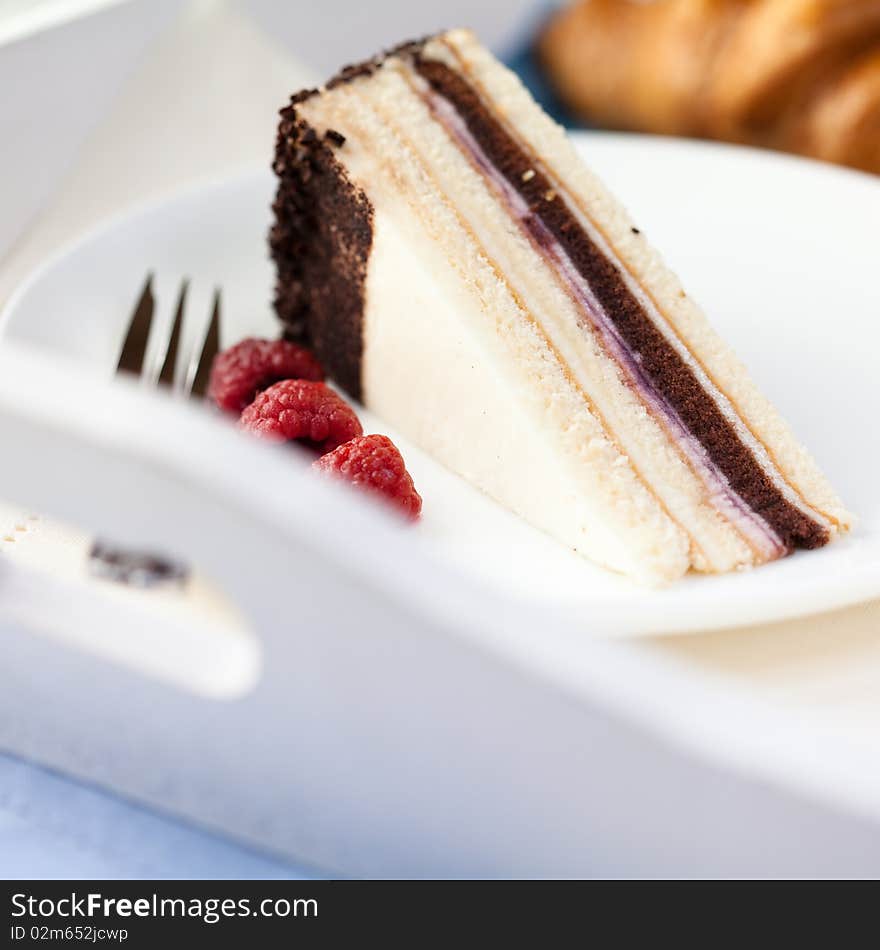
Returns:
<point x="749" y="494"/>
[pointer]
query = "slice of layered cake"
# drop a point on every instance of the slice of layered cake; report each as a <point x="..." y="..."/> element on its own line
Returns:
<point x="457" y="268"/>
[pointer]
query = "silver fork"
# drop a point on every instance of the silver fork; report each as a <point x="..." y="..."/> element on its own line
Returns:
<point x="128" y="565"/>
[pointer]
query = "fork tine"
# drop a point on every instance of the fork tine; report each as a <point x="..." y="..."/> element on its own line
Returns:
<point x="134" y="348"/>
<point x="199" y="371"/>
<point x="169" y="363"/>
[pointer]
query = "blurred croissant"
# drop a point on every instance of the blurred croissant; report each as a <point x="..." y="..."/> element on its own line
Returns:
<point x="797" y="75"/>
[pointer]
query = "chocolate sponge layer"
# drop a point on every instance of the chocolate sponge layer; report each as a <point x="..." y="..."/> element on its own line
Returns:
<point x="320" y="243"/>
<point x="660" y="365"/>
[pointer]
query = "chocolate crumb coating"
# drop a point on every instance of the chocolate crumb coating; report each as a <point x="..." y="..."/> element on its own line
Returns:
<point x="409" y="48"/>
<point x="661" y="363"/>
<point x="320" y="243"/>
<point x="322" y="235"/>
<point x="336" y="138"/>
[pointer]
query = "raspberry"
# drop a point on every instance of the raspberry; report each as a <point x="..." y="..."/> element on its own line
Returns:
<point x="249" y="367"/>
<point x="373" y="463"/>
<point x="303" y="411"/>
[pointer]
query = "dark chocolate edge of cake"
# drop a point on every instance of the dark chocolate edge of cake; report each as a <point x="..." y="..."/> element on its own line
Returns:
<point x="322" y="235"/>
<point x="320" y="242"/>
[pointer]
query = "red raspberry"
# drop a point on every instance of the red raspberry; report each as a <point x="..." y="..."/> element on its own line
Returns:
<point x="372" y="463"/>
<point x="249" y="367"/>
<point x="304" y="411"/>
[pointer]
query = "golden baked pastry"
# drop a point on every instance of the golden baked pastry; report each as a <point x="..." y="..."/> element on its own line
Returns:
<point x="797" y="75"/>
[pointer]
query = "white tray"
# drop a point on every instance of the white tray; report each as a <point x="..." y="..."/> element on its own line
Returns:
<point x="776" y="317"/>
<point x="378" y="707"/>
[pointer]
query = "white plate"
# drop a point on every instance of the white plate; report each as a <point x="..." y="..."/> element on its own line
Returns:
<point x="781" y="252"/>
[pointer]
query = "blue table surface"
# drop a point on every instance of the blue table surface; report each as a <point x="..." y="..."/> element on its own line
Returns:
<point x="54" y="827"/>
